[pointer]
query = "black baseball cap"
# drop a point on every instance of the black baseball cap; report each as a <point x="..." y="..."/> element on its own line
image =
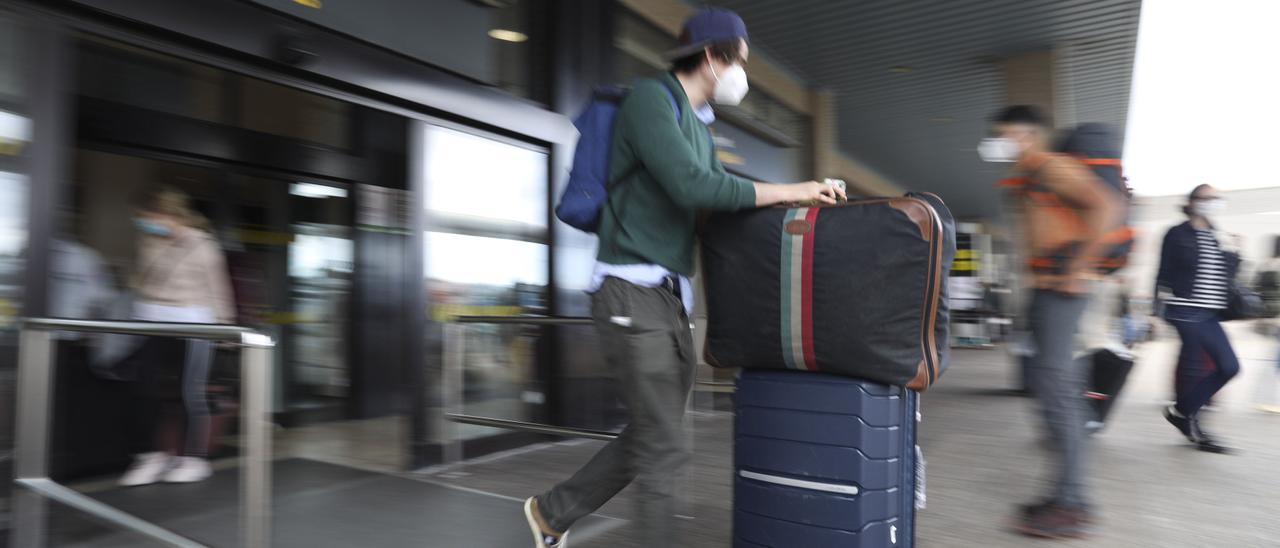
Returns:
<point x="706" y="27"/>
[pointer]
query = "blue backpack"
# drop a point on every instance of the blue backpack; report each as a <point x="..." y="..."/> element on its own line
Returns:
<point x="588" y="189"/>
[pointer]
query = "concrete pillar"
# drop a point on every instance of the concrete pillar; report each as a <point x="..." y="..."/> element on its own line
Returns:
<point x="823" y="134"/>
<point x="1030" y="79"/>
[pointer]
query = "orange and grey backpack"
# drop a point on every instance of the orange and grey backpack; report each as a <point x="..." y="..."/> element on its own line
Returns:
<point x="1095" y="146"/>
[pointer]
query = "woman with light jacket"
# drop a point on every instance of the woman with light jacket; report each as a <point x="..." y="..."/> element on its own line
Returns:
<point x="1192" y="284"/>
<point x="181" y="277"/>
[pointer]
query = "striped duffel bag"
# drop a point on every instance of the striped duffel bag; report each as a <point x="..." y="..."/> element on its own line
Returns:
<point x="857" y="289"/>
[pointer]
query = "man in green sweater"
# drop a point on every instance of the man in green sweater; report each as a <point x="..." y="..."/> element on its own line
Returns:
<point x="665" y="170"/>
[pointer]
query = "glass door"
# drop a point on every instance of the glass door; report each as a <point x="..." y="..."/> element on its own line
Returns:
<point x="487" y="253"/>
<point x="321" y="264"/>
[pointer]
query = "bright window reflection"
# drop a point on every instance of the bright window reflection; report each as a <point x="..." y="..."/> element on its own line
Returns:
<point x="314" y="256"/>
<point x="13" y="213"/>
<point x="476" y="260"/>
<point x="472" y="176"/>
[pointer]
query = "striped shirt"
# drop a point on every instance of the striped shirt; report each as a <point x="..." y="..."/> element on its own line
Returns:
<point x="1210" y="290"/>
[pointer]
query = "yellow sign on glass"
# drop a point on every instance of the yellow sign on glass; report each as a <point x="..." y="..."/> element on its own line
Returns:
<point x="446" y="312"/>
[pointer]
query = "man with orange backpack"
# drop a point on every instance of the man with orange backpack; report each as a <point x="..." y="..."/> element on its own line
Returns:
<point x="1068" y="213"/>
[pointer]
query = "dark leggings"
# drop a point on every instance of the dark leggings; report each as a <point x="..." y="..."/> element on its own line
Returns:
<point x="1203" y="340"/>
<point x="171" y="408"/>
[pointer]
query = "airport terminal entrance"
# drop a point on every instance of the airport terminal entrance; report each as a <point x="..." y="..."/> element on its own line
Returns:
<point x="276" y="172"/>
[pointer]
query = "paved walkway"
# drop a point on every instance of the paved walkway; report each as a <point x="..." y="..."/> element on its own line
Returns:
<point x="980" y="443"/>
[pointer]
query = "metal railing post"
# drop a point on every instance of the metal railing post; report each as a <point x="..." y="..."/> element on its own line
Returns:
<point x="256" y="425"/>
<point x="451" y="389"/>
<point x="36" y="365"/>
<point x="36" y="370"/>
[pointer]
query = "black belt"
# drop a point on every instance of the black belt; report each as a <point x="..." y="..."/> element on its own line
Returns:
<point x="672" y="284"/>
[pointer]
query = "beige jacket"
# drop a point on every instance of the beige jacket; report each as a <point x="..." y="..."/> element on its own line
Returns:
<point x="188" y="270"/>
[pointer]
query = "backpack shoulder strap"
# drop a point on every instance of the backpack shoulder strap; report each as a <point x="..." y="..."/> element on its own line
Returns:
<point x="675" y="105"/>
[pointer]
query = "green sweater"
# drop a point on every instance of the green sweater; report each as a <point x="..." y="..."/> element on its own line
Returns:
<point x="664" y="172"/>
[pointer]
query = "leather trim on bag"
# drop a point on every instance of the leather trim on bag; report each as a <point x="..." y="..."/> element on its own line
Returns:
<point x="919" y="213"/>
<point x="921" y="380"/>
<point x="798" y="227"/>
<point x="932" y="317"/>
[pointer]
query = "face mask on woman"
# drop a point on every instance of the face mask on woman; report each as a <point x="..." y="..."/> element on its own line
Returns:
<point x="1209" y="209"/>
<point x="153" y="228"/>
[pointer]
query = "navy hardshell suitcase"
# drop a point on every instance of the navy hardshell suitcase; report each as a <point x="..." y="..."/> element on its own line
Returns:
<point x="823" y="461"/>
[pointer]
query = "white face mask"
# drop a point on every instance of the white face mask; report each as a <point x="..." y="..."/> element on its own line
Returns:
<point x="732" y="87"/>
<point x="1209" y="208"/>
<point x="999" y="149"/>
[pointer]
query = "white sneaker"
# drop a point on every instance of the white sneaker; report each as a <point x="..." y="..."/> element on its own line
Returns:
<point x="188" y="470"/>
<point x="540" y="538"/>
<point x="146" y="469"/>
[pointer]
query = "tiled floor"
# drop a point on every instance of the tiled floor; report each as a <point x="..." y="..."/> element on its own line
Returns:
<point x="983" y="457"/>
<point x="376" y="445"/>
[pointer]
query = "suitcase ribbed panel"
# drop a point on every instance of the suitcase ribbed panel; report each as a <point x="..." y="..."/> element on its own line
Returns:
<point x="820" y="428"/>
<point x="822" y="460"/>
<point x="877" y="405"/>
<point x="756" y="530"/>
<point x="813" y="462"/>
<point x="823" y="509"/>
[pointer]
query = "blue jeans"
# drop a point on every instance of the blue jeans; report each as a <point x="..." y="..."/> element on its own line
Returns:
<point x="1058" y="381"/>
<point x="1202" y="337"/>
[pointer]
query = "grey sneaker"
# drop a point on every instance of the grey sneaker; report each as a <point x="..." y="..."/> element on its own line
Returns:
<point x="541" y="538"/>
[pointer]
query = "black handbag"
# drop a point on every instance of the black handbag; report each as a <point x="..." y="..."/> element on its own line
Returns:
<point x="1243" y="303"/>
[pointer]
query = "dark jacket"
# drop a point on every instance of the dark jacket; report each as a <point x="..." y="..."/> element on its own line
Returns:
<point x="1180" y="260"/>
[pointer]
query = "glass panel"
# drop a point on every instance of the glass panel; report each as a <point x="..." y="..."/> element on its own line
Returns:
<point x="489" y="40"/>
<point x="321" y="265"/>
<point x="472" y="269"/>
<point x="15" y="133"/>
<point x="129" y="75"/>
<point x="510" y="188"/>
<point x="124" y="74"/>
<point x="472" y="275"/>
<point x="11" y="51"/>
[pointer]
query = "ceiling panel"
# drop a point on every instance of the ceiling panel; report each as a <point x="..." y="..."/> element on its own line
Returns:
<point x="920" y="128"/>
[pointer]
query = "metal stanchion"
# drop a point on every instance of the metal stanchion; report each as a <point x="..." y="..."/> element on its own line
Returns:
<point x="31" y="442"/>
<point x="256" y="425"/>
<point x="451" y="389"/>
<point x="36" y="367"/>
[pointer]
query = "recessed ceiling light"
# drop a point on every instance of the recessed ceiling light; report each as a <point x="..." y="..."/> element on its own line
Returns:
<point x="900" y="69"/>
<point x="312" y="190"/>
<point x="508" y="35"/>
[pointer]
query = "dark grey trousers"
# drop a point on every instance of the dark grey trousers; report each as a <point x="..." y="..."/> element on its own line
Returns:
<point x="649" y="348"/>
<point x="1058" y="382"/>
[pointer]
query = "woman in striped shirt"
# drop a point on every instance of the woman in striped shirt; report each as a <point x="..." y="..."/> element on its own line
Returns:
<point x="1192" y="282"/>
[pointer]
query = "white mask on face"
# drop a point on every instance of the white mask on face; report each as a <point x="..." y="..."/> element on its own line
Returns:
<point x="1209" y="208"/>
<point x="732" y="87"/>
<point x="999" y="149"/>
